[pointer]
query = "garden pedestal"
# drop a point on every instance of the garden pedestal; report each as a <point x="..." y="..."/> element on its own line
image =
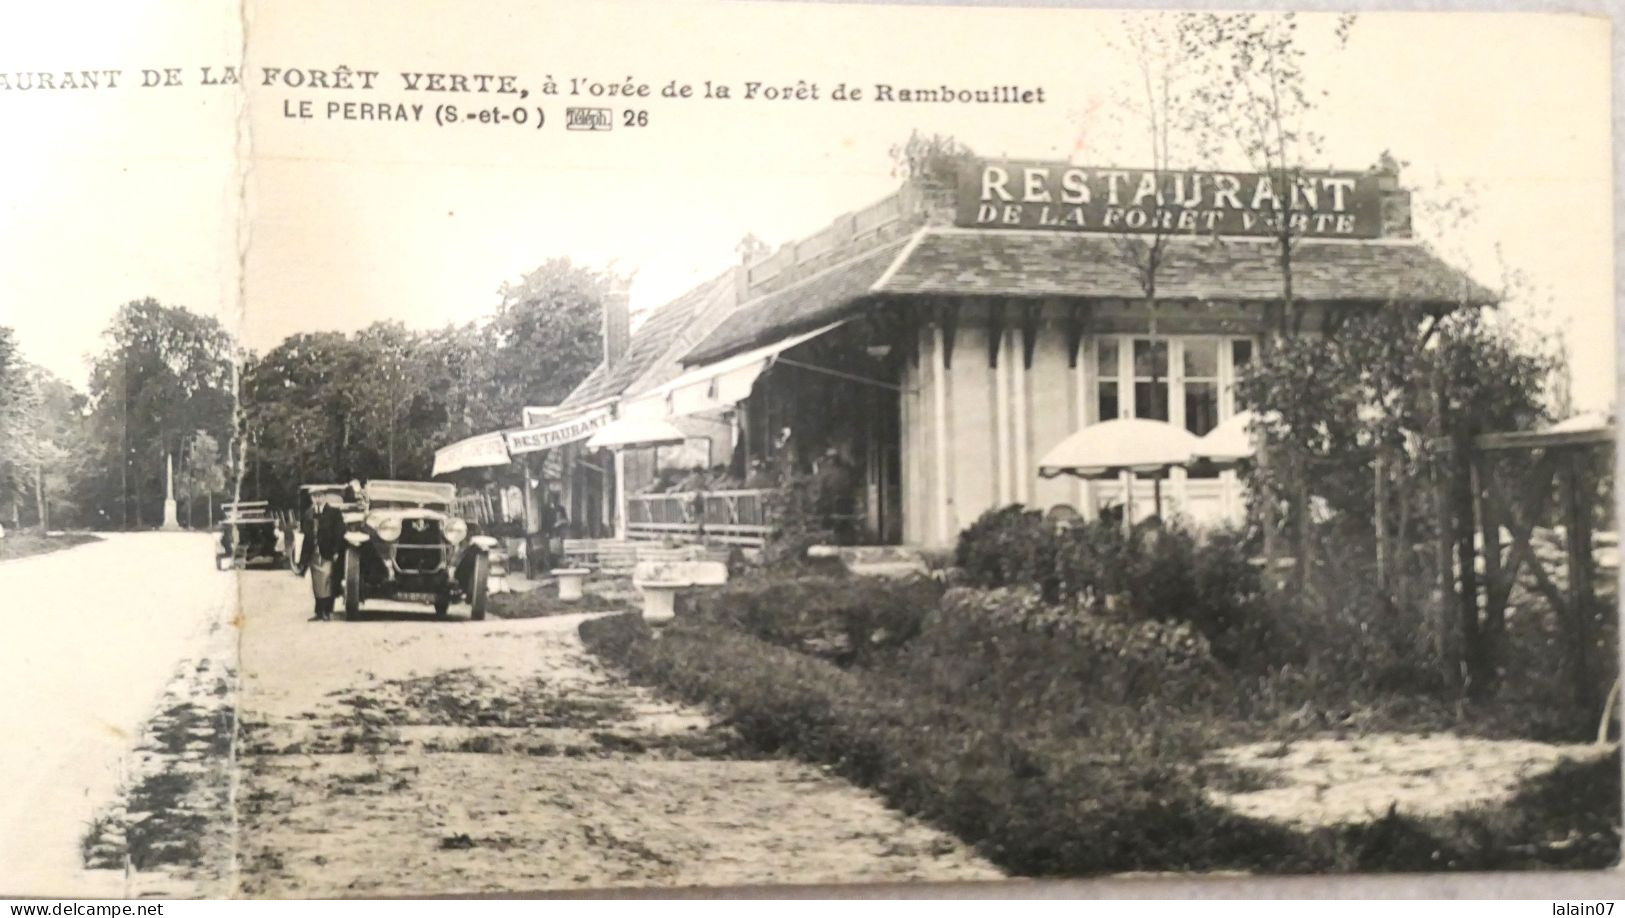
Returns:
<point x="660" y="601"/>
<point x="570" y="580"/>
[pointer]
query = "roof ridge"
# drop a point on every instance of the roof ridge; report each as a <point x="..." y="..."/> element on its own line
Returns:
<point x="1226" y="239"/>
<point x="803" y="281"/>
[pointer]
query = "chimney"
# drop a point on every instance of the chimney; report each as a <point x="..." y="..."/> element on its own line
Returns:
<point x="1394" y="200"/>
<point x="617" y="321"/>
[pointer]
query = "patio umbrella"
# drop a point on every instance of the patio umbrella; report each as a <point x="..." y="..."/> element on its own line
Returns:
<point x="1231" y="443"/>
<point x="1581" y="423"/>
<point x="1135" y="446"/>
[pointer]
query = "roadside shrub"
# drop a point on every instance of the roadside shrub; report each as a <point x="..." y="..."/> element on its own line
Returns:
<point x="1346" y="632"/>
<point x="1009" y="546"/>
<point x="834" y="616"/>
<point x="1162" y="574"/>
<point x="540" y="603"/>
<point x="1009" y="648"/>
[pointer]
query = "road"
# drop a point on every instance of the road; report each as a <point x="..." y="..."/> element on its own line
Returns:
<point x="394" y="754"/>
<point x="93" y="634"/>
<point x="399" y="754"/>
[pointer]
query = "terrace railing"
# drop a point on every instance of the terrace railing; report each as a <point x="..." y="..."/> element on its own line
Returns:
<point x="736" y="517"/>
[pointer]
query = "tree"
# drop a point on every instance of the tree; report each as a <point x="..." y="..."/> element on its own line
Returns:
<point x="1252" y="96"/>
<point x="1160" y="112"/>
<point x="42" y="438"/>
<point x="1380" y="411"/>
<point x="165" y="373"/>
<point x="547" y="334"/>
<point x="15" y="396"/>
<point x="204" y="471"/>
<point x="385" y="380"/>
<point x="297" y="422"/>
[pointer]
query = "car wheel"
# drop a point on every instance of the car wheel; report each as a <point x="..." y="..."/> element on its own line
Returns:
<point x="477" y="584"/>
<point x="352" y="583"/>
<point x="442" y="602"/>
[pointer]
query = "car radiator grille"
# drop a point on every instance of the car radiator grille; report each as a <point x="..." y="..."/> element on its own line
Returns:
<point x="420" y="548"/>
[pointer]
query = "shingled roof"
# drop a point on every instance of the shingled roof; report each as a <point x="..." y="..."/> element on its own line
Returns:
<point x="658" y="336"/>
<point x="964" y="262"/>
<point x="815" y="300"/>
<point x="1015" y="263"/>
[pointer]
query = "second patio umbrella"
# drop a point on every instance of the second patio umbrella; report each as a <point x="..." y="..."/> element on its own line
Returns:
<point x="1135" y="446"/>
<point x="1232" y="442"/>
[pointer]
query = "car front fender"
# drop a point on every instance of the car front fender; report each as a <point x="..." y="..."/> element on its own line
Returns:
<point x="483" y="542"/>
<point x="357" y="539"/>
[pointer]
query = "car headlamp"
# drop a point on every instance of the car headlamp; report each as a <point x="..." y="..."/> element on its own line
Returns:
<point x="387" y="527"/>
<point x="456" y="530"/>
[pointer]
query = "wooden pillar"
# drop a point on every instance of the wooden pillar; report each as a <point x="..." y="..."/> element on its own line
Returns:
<point x="620" y="494"/>
<point x="1379" y="515"/>
<point x="1489" y="527"/>
<point x="1018" y="408"/>
<point x="1001" y="410"/>
<point x="940" y="349"/>
<point x="1268" y="505"/>
<point x="1444" y="534"/>
<point x="1494" y="627"/>
<point x="1461" y="512"/>
<point x="1577" y="540"/>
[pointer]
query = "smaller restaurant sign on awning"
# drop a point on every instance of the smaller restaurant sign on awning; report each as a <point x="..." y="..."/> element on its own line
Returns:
<point x="481" y="450"/>
<point x="558" y="433"/>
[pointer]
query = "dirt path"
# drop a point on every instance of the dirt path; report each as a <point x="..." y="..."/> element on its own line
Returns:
<point x="404" y="755"/>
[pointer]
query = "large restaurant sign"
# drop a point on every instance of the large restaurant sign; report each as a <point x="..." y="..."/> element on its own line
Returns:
<point x="1058" y="196"/>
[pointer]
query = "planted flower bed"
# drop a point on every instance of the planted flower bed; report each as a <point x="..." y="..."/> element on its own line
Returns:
<point x="1062" y="712"/>
<point x="1040" y="798"/>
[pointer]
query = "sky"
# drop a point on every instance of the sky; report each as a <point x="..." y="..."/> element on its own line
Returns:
<point x="138" y="192"/>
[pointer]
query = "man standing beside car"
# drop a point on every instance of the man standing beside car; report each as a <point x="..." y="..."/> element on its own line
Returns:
<point x="322" y="553"/>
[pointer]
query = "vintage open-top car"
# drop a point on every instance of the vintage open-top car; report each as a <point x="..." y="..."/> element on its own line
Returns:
<point x="410" y="546"/>
<point x="249" y="534"/>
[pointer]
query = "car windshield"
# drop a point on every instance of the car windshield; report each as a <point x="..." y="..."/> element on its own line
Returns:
<point x="408" y="495"/>
<point x="255" y="512"/>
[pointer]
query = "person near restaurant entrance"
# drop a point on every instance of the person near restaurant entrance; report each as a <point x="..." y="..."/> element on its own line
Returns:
<point x="555" y="526"/>
<point x="321" y="553"/>
<point x="695" y="480"/>
<point x="834" y="481"/>
<point x="761" y="475"/>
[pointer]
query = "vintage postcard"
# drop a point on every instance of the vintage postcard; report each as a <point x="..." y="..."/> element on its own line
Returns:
<point x="535" y="446"/>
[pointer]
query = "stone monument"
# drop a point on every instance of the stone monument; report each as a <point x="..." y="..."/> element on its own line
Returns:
<point x="170" y="523"/>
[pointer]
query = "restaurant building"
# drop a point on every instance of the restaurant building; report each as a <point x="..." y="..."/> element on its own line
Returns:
<point x="938" y="342"/>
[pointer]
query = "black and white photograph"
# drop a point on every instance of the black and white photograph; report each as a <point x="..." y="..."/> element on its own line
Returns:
<point x="540" y="447"/>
